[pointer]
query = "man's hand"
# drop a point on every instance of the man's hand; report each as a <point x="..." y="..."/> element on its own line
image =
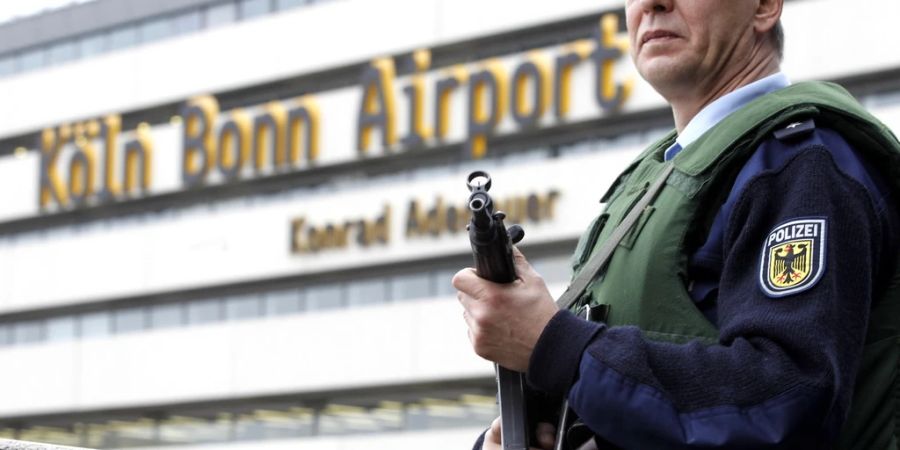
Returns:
<point x="505" y="320"/>
<point x="546" y="435"/>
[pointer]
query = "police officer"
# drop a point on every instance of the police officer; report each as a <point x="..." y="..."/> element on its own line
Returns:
<point x="757" y="303"/>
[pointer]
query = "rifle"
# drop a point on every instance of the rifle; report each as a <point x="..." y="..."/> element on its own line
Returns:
<point x="492" y="250"/>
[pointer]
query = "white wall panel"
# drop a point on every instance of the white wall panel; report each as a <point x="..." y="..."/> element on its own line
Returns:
<point x="40" y="378"/>
<point x="419" y="341"/>
<point x="19" y="185"/>
<point x="448" y="350"/>
<point x="466" y="19"/>
<point x="156" y="367"/>
<point x="831" y="38"/>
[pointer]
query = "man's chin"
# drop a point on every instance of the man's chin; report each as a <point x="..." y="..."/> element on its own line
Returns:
<point x="663" y="72"/>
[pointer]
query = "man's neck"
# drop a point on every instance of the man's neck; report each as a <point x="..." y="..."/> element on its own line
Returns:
<point x="691" y="102"/>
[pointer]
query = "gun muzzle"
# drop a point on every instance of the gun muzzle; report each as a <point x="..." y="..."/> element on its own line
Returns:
<point x="480" y="205"/>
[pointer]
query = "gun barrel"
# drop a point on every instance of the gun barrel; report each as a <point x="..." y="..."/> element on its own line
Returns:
<point x="477" y="204"/>
<point x="481" y="207"/>
<point x="492" y="251"/>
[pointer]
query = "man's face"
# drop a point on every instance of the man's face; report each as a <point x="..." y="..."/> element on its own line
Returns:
<point x="682" y="43"/>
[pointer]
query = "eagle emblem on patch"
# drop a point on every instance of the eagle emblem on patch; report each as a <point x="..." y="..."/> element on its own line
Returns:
<point x="793" y="257"/>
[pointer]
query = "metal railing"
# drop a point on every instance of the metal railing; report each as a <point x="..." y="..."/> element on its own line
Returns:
<point x="6" y="444"/>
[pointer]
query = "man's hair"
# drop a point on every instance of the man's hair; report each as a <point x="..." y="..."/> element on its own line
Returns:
<point x="777" y="35"/>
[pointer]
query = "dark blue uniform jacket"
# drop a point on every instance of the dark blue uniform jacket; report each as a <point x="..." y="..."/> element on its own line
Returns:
<point x="783" y="370"/>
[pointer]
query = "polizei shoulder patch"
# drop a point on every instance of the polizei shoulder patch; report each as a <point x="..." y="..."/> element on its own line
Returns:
<point x="793" y="257"/>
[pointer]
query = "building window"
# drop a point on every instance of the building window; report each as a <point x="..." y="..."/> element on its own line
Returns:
<point x="96" y="324"/>
<point x="123" y="37"/>
<point x="28" y="332"/>
<point x="275" y="424"/>
<point x="31" y="60"/>
<point x="442" y="283"/>
<point x="411" y="287"/>
<point x="91" y="45"/>
<point x="221" y="14"/>
<point x="265" y="421"/>
<point x="254" y="8"/>
<point x="340" y="419"/>
<point x="56" y="435"/>
<point x="243" y="307"/>
<point x="5" y="335"/>
<point x="63" y="52"/>
<point x="140" y="433"/>
<point x="196" y="430"/>
<point x="287" y="4"/>
<point x="129" y="320"/>
<point x="7" y="65"/>
<point x="156" y="29"/>
<point x="882" y="99"/>
<point x="165" y="316"/>
<point x="187" y="22"/>
<point x="288" y="301"/>
<point x="324" y="297"/>
<point x="435" y="413"/>
<point x="62" y="329"/>
<point x="366" y="292"/>
<point x="204" y="311"/>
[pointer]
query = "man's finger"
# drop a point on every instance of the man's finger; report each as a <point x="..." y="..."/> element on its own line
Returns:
<point x="471" y="326"/>
<point x="546" y="435"/>
<point x="518" y="256"/>
<point x="468" y="303"/>
<point x="493" y="434"/>
<point x="521" y="263"/>
<point x="464" y="278"/>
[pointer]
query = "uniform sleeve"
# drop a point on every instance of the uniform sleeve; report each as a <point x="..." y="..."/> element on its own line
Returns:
<point x="479" y="443"/>
<point x="782" y="371"/>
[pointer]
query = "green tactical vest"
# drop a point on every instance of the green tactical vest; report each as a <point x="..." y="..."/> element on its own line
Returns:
<point x="644" y="282"/>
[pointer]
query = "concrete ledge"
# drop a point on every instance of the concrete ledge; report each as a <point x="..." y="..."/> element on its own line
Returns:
<point x="6" y="444"/>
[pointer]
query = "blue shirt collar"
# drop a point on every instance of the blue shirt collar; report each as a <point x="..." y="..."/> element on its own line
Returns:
<point x="719" y="109"/>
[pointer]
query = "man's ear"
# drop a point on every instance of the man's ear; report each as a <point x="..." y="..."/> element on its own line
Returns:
<point x="767" y="15"/>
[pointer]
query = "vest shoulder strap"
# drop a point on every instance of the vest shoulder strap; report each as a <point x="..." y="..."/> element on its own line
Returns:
<point x="597" y="262"/>
<point x="744" y="129"/>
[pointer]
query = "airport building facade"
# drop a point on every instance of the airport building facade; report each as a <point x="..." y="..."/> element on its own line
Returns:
<point x="233" y="224"/>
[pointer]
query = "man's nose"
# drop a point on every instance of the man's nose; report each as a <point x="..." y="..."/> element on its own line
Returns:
<point x="657" y="6"/>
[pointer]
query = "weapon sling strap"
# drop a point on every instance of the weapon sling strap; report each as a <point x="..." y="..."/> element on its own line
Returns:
<point x="598" y="261"/>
